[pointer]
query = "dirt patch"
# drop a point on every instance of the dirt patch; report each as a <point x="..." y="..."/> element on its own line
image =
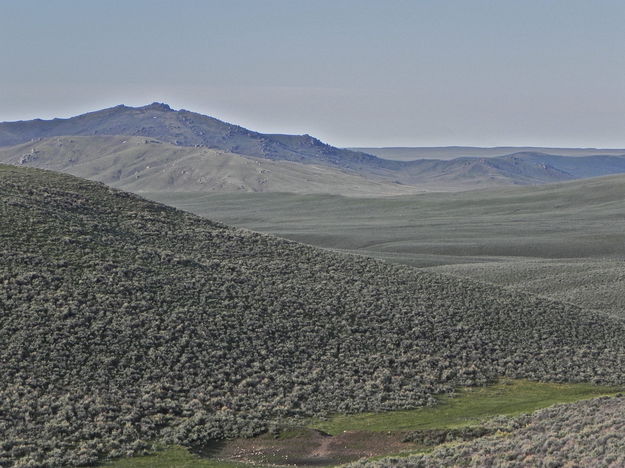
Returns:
<point x="310" y="447"/>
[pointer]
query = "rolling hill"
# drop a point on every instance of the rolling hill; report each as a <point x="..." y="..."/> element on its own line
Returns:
<point x="141" y="164"/>
<point x="126" y="321"/>
<point x="522" y="168"/>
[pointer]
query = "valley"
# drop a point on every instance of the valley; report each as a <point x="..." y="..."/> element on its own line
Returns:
<point x="562" y="241"/>
<point x="184" y="331"/>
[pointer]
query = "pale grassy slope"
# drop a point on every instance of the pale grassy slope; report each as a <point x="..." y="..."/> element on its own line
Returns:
<point x="577" y="219"/>
<point x="141" y="164"/>
<point x="564" y="241"/>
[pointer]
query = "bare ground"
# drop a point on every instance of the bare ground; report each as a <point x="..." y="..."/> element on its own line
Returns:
<point x="310" y="447"/>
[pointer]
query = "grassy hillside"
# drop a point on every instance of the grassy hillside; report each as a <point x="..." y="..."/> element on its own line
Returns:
<point x="138" y="164"/>
<point x="128" y="321"/>
<point x="469" y="407"/>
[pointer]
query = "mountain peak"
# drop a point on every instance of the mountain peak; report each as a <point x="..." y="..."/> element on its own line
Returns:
<point x="158" y="106"/>
<point x="183" y="128"/>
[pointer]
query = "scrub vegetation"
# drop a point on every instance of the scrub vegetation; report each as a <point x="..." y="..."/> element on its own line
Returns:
<point x="473" y="412"/>
<point x="126" y="323"/>
<point x="587" y="433"/>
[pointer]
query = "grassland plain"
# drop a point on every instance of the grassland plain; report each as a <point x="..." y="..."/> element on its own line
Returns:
<point x="577" y="219"/>
<point x="564" y="241"/>
<point x="126" y="321"/>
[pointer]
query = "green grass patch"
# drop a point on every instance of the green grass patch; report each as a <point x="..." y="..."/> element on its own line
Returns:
<point x="171" y="457"/>
<point x="468" y="407"/>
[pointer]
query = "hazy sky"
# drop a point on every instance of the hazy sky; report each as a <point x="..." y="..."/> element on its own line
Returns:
<point x="351" y="72"/>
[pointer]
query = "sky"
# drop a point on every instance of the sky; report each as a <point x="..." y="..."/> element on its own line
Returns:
<point x="350" y="72"/>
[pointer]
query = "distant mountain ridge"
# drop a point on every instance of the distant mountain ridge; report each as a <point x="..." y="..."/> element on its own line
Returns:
<point x="185" y="128"/>
<point x="408" y="153"/>
<point x="188" y="133"/>
<point x="577" y="167"/>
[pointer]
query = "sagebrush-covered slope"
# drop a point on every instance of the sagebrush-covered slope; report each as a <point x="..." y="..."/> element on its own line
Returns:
<point x="587" y="433"/>
<point x="124" y="321"/>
